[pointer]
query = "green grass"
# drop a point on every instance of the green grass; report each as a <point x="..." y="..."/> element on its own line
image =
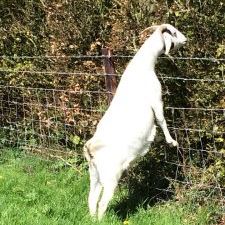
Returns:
<point x="35" y="191"/>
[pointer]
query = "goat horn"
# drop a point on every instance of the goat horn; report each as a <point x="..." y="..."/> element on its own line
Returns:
<point x="151" y="28"/>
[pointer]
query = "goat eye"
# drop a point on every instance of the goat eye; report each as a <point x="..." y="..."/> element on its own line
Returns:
<point x="175" y="34"/>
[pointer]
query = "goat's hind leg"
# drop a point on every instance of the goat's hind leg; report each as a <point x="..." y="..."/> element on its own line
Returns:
<point x="109" y="182"/>
<point x="107" y="195"/>
<point x="95" y="189"/>
<point x="158" y="110"/>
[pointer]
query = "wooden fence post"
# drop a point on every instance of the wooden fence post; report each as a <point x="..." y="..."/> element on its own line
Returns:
<point x="110" y="73"/>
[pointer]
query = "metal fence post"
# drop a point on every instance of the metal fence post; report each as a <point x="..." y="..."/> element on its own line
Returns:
<point x="110" y="73"/>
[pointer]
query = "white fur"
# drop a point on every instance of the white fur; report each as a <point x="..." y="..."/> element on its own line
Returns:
<point x="127" y="128"/>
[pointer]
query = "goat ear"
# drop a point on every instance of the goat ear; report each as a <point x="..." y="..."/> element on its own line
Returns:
<point x="168" y="43"/>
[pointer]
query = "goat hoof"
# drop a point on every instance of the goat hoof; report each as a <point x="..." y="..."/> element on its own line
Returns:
<point x="173" y="143"/>
<point x="100" y="216"/>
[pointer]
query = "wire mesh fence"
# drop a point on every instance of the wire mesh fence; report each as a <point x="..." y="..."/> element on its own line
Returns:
<point x="53" y="111"/>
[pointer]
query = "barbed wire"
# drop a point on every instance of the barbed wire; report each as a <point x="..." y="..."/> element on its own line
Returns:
<point x="104" y="74"/>
<point x="195" y="108"/>
<point x="56" y="72"/>
<point x="211" y="59"/>
<point x="100" y="110"/>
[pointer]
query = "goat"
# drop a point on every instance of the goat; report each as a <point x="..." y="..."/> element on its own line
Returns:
<point x="127" y="128"/>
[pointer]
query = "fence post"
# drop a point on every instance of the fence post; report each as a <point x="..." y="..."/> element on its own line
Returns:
<point x="109" y="68"/>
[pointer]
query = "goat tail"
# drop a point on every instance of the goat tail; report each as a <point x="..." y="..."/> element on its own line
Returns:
<point x="87" y="152"/>
<point x="91" y="147"/>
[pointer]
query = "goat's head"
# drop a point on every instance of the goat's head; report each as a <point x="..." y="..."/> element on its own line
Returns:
<point x="173" y="39"/>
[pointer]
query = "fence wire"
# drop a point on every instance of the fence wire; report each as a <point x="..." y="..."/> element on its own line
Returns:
<point x="57" y="117"/>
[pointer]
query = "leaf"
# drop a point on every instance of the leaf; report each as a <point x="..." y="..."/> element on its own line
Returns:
<point x="75" y="139"/>
<point x="219" y="140"/>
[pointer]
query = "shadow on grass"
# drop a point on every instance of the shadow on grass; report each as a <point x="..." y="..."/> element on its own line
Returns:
<point x="147" y="183"/>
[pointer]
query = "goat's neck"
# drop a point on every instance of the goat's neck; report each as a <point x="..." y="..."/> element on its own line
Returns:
<point x="147" y="55"/>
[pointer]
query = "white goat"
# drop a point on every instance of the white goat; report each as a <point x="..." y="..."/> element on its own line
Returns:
<point x="127" y="128"/>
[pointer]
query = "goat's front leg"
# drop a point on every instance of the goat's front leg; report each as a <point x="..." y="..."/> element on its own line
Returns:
<point x="158" y="110"/>
<point x="150" y="139"/>
<point x="152" y="134"/>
